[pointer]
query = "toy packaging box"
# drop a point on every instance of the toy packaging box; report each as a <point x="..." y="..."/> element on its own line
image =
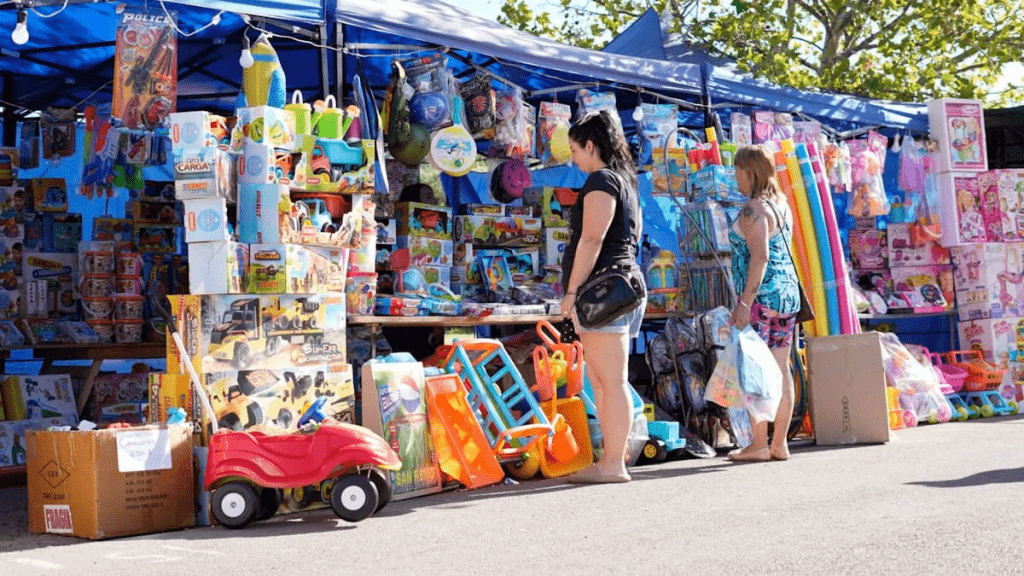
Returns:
<point x="334" y="166"/>
<point x="12" y="439"/>
<point x="959" y="127"/>
<point x="167" y="391"/>
<point x="248" y="332"/>
<point x="49" y="194"/>
<point x="155" y="212"/>
<point x="274" y="127"/>
<point x="662" y="300"/>
<point x="498" y="231"/>
<point x="394" y="406"/>
<point x="903" y="252"/>
<point x="263" y="164"/>
<point x="61" y="232"/>
<point x="415" y="219"/>
<point x="204" y="173"/>
<point x="295" y="269"/>
<point x="989" y="280"/>
<point x="427" y="251"/>
<point x="217" y="267"/>
<point x="197" y="130"/>
<point x="995" y="337"/>
<point x="268" y="207"/>
<point x="110" y="483"/>
<point x="43" y="396"/>
<point x="934" y="283"/>
<point x="119" y="398"/>
<point x="992" y="214"/>
<point x="206" y="220"/>
<point x="273" y="400"/>
<point x="60" y="275"/>
<point x="555" y="242"/>
<point x="716" y="183"/>
<point x="965" y="223"/>
<point x="157" y="238"/>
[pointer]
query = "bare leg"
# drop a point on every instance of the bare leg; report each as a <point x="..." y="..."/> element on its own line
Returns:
<point x="780" y="447"/>
<point x="605" y="355"/>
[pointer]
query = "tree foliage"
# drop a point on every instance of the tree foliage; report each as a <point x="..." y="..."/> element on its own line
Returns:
<point x="900" y="50"/>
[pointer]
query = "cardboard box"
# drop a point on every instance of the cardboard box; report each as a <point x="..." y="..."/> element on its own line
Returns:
<point x="995" y="337"/>
<point x="12" y="439"/>
<point x="295" y="269"/>
<point x="427" y="251"/>
<point x="555" y="242"/>
<point x="959" y="127"/>
<point x="110" y="483"/>
<point x="498" y="231"/>
<point x="847" y="389"/>
<point x="120" y="398"/>
<point x="964" y="223"/>
<point x="197" y="129"/>
<point x="217" y="267"/>
<point x="50" y="194"/>
<point x="204" y="173"/>
<point x="206" y="220"/>
<point x="264" y="125"/>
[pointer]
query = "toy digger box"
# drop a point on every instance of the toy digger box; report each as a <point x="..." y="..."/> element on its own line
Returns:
<point x="110" y="483"/>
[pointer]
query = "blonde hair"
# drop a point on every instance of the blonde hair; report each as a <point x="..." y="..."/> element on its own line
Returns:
<point x="758" y="164"/>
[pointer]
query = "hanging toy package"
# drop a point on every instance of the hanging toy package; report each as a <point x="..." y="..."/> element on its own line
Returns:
<point x="739" y="129"/>
<point x="837" y="166"/>
<point x="480" y="102"/>
<point x="867" y="159"/>
<point x="509" y="128"/>
<point x="431" y="81"/>
<point x="553" y="133"/>
<point x="659" y="120"/>
<point x="527" y="145"/>
<point x="145" y="69"/>
<point x="591" y="102"/>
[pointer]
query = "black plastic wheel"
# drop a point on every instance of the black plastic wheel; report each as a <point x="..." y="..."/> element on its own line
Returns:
<point x="242" y="357"/>
<point x="270" y="501"/>
<point x="235" y="505"/>
<point x="354" y="498"/>
<point x="383" y="484"/>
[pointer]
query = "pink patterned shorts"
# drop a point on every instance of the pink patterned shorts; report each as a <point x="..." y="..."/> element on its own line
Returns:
<point x="774" y="328"/>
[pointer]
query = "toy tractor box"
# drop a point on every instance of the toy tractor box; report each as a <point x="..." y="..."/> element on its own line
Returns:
<point x="426" y="220"/>
<point x="295" y="269"/>
<point x="262" y="164"/>
<point x="273" y="400"/>
<point x="109" y="483"/>
<point x="334" y="166"/>
<point x="274" y="217"/>
<point x="250" y="331"/>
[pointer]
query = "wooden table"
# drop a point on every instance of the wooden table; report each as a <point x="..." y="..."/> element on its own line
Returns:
<point x="97" y="353"/>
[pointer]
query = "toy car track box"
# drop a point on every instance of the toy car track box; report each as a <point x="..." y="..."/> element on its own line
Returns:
<point x="869" y="248"/>
<point x="498" y="231"/>
<point x="847" y="393"/>
<point x="903" y="251"/>
<point x="198" y="130"/>
<point x="415" y="219"/>
<point x="217" y="267"/>
<point x="206" y="220"/>
<point x="110" y="483"/>
<point x="555" y="241"/>
<point x="43" y="396"/>
<point x="204" y="173"/>
<point x="424" y="251"/>
<point x="275" y="399"/>
<point x="959" y="127"/>
<point x="274" y="127"/>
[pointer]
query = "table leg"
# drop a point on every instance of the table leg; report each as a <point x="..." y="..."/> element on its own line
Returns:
<point x="83" y="394"/>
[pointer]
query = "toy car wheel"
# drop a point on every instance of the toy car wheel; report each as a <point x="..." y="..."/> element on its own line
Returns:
<point x="354" y="498"/>
<point x="242" y="358"/>
<point x="230" y="422"/>
<point x="527" y="467"/>
<point x="987" y="411"/>
<point x="383" y="484"/>
<point x="270" y="501"/>
<point x="311" y="323"/>
<point x="234" y="505"/>
<point x="305" y="495"/>
<point x="1014" y="408"/>
<point x="909" y="419"/>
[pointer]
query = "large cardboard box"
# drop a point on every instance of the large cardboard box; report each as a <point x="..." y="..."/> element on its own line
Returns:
<point x="109" y="483"/>
<point x="847" y="389"/>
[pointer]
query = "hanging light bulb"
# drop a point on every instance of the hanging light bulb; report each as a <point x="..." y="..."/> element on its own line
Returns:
<point x="245" y="60"/>
<point x="20" y="34"/>
<point x="638" y="113"/>
<point x="215" y="21"/>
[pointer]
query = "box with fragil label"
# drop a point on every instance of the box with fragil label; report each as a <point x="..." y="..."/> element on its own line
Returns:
<point x="847" y="389"/>
<point x="110" y="483"/>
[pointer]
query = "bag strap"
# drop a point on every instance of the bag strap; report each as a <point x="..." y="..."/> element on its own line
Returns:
<point x="778" y="218"/>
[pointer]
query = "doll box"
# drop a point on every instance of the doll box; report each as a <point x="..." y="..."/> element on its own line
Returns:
<point x="869" y="249"/>
<point x="965" y="223"/>
<point x="959" y="127"/>
<point x="995" y="337"/>
<point x="903" y="252"/>
<point x="1007" y="188"/>
<point x="934" y="283"/>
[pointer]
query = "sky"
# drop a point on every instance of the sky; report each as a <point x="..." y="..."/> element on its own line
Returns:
<point x="491" y="8"/>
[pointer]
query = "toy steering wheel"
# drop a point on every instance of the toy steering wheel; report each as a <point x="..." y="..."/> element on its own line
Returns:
<point x="315" y="412"/>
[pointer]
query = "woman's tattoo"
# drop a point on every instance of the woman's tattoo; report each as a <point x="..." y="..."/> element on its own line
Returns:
<point x="749" y="213"/>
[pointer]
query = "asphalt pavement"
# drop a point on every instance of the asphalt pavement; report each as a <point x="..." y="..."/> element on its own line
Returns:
<point x="938" y="499"/>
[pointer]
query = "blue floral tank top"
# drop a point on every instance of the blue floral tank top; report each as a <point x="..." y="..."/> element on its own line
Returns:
<point x="779" y="290"/>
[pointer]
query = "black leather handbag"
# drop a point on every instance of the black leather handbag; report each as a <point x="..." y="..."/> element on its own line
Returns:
<point x="612" y="291"/>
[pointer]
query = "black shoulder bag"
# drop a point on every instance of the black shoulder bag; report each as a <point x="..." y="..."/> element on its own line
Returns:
<point x="612" y="291"/>
<point x="806" y="312"/>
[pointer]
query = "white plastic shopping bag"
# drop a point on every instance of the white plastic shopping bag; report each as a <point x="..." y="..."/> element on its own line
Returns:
<point x="759" y="375"/>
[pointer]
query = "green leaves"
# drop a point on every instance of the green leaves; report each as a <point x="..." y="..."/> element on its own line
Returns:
<point x="904" y="50"/>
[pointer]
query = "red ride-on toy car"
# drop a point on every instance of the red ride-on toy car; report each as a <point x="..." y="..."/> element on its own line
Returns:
<point x="247" y="470"/>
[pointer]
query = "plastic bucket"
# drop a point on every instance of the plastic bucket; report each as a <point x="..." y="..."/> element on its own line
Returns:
<point x="562" y="446"/>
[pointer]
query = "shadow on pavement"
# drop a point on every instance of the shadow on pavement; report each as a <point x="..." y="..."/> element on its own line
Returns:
<point x="1007" y="476"/>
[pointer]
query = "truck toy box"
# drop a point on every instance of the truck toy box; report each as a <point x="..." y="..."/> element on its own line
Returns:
<point x="498" y="231"/>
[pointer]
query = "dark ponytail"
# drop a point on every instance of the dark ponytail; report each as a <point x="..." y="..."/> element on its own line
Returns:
<point x="602" y="129"/>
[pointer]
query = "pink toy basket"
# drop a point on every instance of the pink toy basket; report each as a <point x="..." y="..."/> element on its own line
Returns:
<point x="951" y="377"/>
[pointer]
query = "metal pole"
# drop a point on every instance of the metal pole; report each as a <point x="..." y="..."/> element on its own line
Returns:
<point x="339" y="59"/>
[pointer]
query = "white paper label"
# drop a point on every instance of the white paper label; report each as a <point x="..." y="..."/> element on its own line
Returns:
<point x="143" y="450"/>
<point x="58" y="518"/>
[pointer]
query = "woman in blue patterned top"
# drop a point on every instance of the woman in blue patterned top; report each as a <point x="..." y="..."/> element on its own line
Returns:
<point x="766" y="283"/>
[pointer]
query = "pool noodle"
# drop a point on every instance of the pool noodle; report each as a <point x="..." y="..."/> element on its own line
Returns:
<point x="847" y="322"/>
<point x="828" y="273"/>
<point x="810" y="245"/>
<point x="799" y="255"/>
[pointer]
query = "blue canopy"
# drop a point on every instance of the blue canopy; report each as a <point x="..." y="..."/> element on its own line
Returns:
<point x="725" y="84"/>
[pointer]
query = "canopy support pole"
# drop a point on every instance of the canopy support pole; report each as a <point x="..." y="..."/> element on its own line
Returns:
<point x="339" y="59"/>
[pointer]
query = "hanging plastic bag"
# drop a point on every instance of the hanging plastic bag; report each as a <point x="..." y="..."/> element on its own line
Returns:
<point x="553" y="133"/>
<point x="723" y="387"/>
<point x="759" y="374"/>
<point x="868" y="196"/>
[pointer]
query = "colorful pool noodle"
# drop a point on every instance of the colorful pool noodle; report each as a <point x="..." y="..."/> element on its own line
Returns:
<point x="817" y="285"/>
<point x="799" y="254"/>
<point x="848" y="322"/>
<point x="828" y="274"/>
